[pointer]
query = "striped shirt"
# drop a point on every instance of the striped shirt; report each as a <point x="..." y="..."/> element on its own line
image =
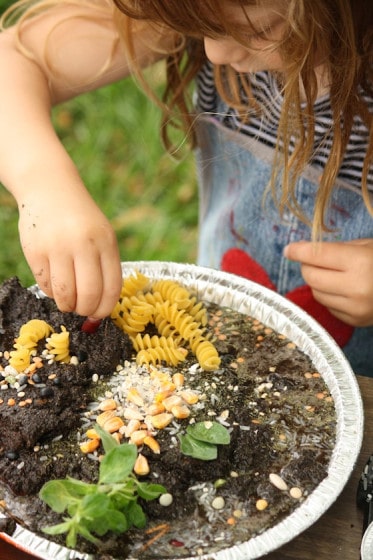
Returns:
<point x="264" y="127"/>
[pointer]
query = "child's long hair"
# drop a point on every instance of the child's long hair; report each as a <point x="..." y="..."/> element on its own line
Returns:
<point x="342" y="30"/>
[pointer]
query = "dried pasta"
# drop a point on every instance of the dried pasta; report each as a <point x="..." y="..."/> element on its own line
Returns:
<point x="176" y="315"/>
<point x="29" y="335"/>
<point x="58" y="345"/>
<point x="157" y="349"/>
<point x="206" y="353"/>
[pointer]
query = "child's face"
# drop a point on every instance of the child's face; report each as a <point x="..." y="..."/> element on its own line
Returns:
<point x="261" y="52"/>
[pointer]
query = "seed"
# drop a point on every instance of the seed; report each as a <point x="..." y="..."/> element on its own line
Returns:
<point x="108" y="404"/>
<point x="141" y="466"/>
<point x="180" y="411"/>
<point x="134" y="396"/>
<point x="92" y="434"/>
<point x="295" y="493"/>
<point x="261" y="504"/>
<point x="160" y="421"/>
<point x="178" y="380"/>
<point x="12" y="455"/>
<point x="132" y="414"/>
<point x="172" y="401"/>
<point x="190" y="397"/>
<point x="138" y="436"/>
<point x="152" y="444"/>
<point x="218" y="502"/>
<point x="277" y="481"/>
<point x="46" y="392"/>
<point x="89" y="446"/>
<point x="166" y="499"/>
<point x="117" y="436"/>
<point x="155" y="408"/>
<point x="104" y="417"/>
<point x="113" y="424"/>
<point x="128" y="430"/>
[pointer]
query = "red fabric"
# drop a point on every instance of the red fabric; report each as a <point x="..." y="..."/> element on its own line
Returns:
<point x="239" y="262"/>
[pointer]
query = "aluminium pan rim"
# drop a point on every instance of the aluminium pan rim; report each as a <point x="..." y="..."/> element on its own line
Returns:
<point x="287" y="318"/>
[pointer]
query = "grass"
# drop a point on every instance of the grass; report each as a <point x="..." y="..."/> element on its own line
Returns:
<point x="151" y="200"/>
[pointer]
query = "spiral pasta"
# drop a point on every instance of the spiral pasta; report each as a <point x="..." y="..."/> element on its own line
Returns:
<point x="31" y="332"/>
<point x="157" y="349"/>
<point x="29" y="335"/>
<point x="206" y="353"/>
<point x="184" y="323"/>
<point x="58" y="345"/>
<point x="134" y="283"/>
<point x="173" y="292"/>
<point x="179" y="319"/>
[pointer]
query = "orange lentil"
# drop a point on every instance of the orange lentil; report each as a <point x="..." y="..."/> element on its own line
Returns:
<point x="37" y="359"/>
<point x="320" y="396"/>
<point x="267" y="330"/>
<point x="291" y="345"/>
<point x="28" y="401"/>
<point x="308" y="375"/>
<point x="22" y="403"/>
<point x="231" y="521"/>
<point x="260" y="337"/>
<point x="1" y="401"/>
<point x="240" y="360"/>
<point x="11" y="402"/>
<point x="52" y="376"/>
<point x="316" y="374"/>
<point x="222" y="336"/>
<point x="329" y="399"/>
<point x="233" y="365"/>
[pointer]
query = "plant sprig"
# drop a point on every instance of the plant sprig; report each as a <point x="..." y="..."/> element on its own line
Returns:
<point x="109" y="505"/>
<point x="201" y="440"/>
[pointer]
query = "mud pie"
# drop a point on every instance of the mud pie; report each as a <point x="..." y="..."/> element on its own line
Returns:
<point x="263" y="390"/>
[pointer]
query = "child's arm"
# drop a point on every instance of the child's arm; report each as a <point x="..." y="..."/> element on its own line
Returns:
<point x="340" y="275"/>
<point x="67" y="241"/>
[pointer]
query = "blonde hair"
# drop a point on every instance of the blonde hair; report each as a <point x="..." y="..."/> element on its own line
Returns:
<point x="342" y="30"/>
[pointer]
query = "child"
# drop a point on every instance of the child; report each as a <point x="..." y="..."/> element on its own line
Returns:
<point x="283" y="128"/>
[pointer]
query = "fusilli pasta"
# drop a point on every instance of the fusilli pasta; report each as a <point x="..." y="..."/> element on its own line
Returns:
<point x="179" y="319"/>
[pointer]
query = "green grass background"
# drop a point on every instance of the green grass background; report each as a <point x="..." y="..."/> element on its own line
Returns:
<point x="151" y="199"/>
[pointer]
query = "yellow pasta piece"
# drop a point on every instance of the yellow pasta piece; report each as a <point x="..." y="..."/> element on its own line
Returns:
<point x="58" y="345"/>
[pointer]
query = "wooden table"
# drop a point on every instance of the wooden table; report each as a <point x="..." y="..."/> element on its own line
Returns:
<point x="337" y="534"/>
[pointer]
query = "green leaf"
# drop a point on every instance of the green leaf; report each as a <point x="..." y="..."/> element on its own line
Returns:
<point x="118" y="464"/>
<point x="210" y="432"/>
<point x="150" y="491"/>
<point x="113" y="520"/>
<point x="94" y="506"/>
<point x="136" y="515"/>
<point x="107" y="439"/>
<point x="197" y="449"/>
<point x="60" y="494"/>
<point x="57" y="529"/>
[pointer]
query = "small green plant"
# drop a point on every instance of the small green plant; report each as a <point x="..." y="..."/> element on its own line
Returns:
<point x="110" y="505"/>
<point x="201" y="440"/>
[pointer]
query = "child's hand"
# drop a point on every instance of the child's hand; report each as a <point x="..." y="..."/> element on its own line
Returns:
<point x="72" y="251"/>
<point x="340" y="275"/>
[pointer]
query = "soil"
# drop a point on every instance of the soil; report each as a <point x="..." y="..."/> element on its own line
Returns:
<point x="278" y="409"/>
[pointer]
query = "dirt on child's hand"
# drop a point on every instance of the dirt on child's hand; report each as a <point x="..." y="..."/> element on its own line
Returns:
<point x="72" y="251"/>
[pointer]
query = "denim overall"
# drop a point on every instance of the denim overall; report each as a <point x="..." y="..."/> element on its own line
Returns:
<point x="234" y="171"/>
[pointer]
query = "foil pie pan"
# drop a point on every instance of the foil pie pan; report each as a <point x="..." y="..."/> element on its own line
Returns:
<point x="285" y="317"/>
